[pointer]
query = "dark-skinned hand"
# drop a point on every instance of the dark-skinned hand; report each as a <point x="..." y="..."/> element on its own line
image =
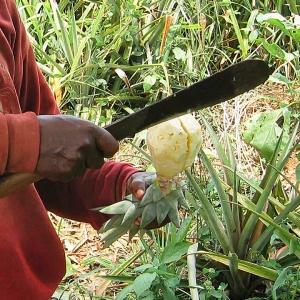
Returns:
<point x="137" y="186"/>
<point x="69" y="146"/>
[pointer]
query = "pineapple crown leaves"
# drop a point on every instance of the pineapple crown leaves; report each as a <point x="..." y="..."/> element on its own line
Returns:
<point x="154" y="206"/>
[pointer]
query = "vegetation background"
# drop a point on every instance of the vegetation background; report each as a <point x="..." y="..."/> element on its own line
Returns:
<point x="240" y="237"/>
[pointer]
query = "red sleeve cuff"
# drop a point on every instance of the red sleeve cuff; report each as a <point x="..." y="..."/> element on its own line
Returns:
<point x="24" y="142"/>
<point x="3" y="143"/>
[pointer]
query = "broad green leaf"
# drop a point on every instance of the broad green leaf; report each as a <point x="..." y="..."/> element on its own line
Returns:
<point x="143" y="283"/>
<point x="274" y="50"/>
<point x="262" y="132"/>
<point x="253" y="35"/>
<point x="279" y="78"/>
<point x="281" y="279"/>
<point x="286" y="26"/>
<point x="179" y="53"/>
<point x="174" y="252"/>
<point x="147" y="295"/>
<point x="168" y="293"/>
<point x="143" y="268"/>
<point x="159" y="272"/>
<point x="296" y="35"/>
<point x="149" y="82"/>
<point x="172" y="282"/>
<point x="277" y="20"/>
<point x="124" y="292"/>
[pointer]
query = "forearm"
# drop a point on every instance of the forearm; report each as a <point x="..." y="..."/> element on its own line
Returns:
<point x="96" y="188"/>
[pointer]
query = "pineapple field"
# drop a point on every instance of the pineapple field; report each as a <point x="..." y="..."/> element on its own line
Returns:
<point x="223" y="184"/>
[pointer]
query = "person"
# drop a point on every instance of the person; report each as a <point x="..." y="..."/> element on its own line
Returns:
<point x="68" y="152"/>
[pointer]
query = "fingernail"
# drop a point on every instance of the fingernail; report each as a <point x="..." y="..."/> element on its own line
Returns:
<point x="140" y="194"/>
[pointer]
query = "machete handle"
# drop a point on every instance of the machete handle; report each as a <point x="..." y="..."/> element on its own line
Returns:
<point x="11" y="183"/>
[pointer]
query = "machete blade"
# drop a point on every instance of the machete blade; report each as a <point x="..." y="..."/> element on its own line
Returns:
<point x="224" y="85"/>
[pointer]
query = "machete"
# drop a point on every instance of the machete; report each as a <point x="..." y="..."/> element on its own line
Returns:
<point x="224" y="85"/>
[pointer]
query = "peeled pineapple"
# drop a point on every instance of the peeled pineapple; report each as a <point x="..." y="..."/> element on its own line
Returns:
<point x="173" y="146"/>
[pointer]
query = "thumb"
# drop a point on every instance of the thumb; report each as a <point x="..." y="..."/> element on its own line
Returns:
<point x="139" y="194"/>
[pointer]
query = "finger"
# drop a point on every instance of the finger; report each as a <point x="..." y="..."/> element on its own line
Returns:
<point x="106" y="143"/>
<point x="136" y="185"/>
<point x="137" y="221"/>
<point x="139" y="194"/>
<point x="80" y="168"/>
<point x="94" y="160"/>
<point x="70" y="169"/>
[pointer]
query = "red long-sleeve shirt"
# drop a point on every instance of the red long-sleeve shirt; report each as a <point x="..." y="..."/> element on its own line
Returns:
<point x="31" y="255"/>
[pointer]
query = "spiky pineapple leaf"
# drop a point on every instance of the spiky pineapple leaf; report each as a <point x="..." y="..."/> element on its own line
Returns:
<point x="149" y="214"/>
<point x="162" y="210"/>
<point x="117" y="208"/>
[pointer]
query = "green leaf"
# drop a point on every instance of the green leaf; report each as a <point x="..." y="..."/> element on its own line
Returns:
<point x="159" y="272"/>
<point x="281" y="279"/>
<point x="168" y="293"/>
<point x="246" y="266"/>
<point x="275" y="19"/>
<point x="298" y="172"/>
<point x="184" y="228"/>
<point x="285" y="25"/>
<point x="124" y="292"/>
<point x="173" y="252"/>
<point x="148" y="215"/>
<point x="179" y="53"/>
<point x="262" y="132"/>
<point x="70" y="269"/>
<point x="173" y="214"/>
<point x="162" y="209"/>
<point x="143" y="268"/>
<point x="191" y="199"/>
<point x="253" y="35"/>
<point x="117" y="208"/>
<point x="143" y="283"/>
<point x="211" y="214"/>
<point x="279" y="78"/>
<point x="274" y="50"/>
<point x="172" y="282"/>
<point x="149" y="82"/>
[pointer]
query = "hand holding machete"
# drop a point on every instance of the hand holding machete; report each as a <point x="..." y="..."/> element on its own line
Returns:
<point x="69" y="146"/>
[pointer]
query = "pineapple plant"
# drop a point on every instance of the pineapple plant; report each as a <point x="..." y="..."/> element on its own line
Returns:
<point x="173" y="146"/>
